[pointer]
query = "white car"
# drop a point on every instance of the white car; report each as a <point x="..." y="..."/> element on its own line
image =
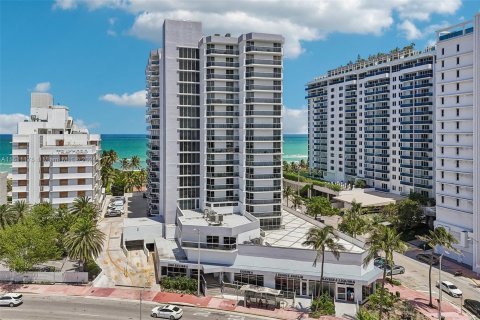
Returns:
<point x="116" y="203"/>
<point x="168" y="311"/>
<point x="11" y="299"/>
<point x="451" y="289"/>
<point x="118" y="198"/>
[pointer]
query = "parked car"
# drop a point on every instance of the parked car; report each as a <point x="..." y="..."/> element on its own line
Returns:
<point x="117" y="203"/>
<point x="168" y="311"/>
<point x="379" y="262"/>
<point x="451" y="289"/>
<point x="11" y="299"/>
<point x="118" y="198"/>
<point x="424" y="257"/>
<point x="395" y="270"/>
<point x="113" y="213"/>
<point x="473" y="306"/>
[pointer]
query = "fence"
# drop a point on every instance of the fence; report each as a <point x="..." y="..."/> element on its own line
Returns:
<point x="41" y="277"/>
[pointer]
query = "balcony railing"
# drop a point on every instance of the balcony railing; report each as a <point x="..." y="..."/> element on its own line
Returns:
<point x="222" y="51"/>
<point x="263" y="189"/>
<point x="222" y="150"/>
<point x="263" y="125"/>
<point x="263" y="75"/>
<point x="263" y="176"/>
<point x="263" y="151"/>
<point x="263" y="138"/>
<point x="222" y="138"/>
<point x="263" y="163"/>
<point x="223" y="113"/>
<point x="222" y="187"/>
<point x="222" y="64"/>
<point x="222" y="199"/>
<point x="222" y="76"/>
<point x="263" y="100"/>
<point x="222" y="162"/>
<point x="223" y="89"/>
<point x="263" y="201"/>
<point x="263" y="61"/>
<point x="211" y="246"/>
<point x="222" y="101"/>
<point x="263" y="49"/>
<point x="262" y="113"/>
<point x="262" y="87"/>
<point x="222" y="125"/>
<point x="222" y="174"/>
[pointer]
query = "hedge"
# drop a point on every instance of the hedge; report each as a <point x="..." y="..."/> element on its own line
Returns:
<point x="295" y="177"/>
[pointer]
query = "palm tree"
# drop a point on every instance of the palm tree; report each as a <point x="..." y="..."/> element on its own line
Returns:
<point x="80" y="206"/>
<point x="353" y="223"/>
<point x="321" y="239"/>
<point x="135" y="162"/>
<point x="140" y="179"/>
<point x="287" y="193"/>
<point x="297" y="201"/>
<point x="438" y="237"/>
<point x="125" y="164"/>
<point x="383" y="240"/>
<point x="286" y="166"/>
<point x="129" y="180"/>
<point x="84" y="241"/>
<point x="20" y="209"/>
<point x="5" y="216"/>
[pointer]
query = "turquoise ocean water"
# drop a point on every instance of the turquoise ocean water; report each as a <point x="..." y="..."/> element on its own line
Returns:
<point x="295" y="147"/>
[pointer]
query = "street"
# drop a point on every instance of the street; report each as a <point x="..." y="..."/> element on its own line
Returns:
<point x="416" y="277"/>
<point x="61" y="308"/>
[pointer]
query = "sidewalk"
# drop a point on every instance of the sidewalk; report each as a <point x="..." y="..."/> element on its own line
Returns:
<point x="154" y="296"/>
<point x="420" y="300"/>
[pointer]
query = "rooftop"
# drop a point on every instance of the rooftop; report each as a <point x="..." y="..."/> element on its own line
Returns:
<point x="368" y="198"/>
<point x="295" y="233"/>
<point x="198" y="218"/>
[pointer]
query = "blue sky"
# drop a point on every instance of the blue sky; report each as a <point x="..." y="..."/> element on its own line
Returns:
<point x="91" y="54"/>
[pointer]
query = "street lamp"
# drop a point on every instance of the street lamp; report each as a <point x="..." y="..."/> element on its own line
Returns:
<point x="198" y="262"/>
<point x="440" y="285"/>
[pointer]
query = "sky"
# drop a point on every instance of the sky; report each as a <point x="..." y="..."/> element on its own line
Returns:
<point x="91" y="54"/>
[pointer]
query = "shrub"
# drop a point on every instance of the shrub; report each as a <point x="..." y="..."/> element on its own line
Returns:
<point x="93" y="270"/>
<point x="295" y="177"/>
<point x="322" y="306"/>
<point x="179" y="284"/>
<point x="365" y="314"/>
<point x="394" y="281"/>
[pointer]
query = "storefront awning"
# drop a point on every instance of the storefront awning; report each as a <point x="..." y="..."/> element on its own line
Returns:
<point x="260" y="290"/>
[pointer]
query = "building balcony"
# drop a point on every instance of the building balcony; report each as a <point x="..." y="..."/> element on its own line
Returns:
<point x="272" y="75"/>
<point x="263" y="100"/>
<point x="263" y="138"/>
<point x="223" y="113"/>
<point x="222" y="125"/>
<point x="222" y="64"/>
<point x="263" y="163"/>
<point x="223" y="76"/>
<point x="223" y="89"/>
<point x="222" y="174"/>
<point x="263" y="125"/>
<point x="263" y="176"/>
<point x="263" y="189"/>
<point x="222" y="138"/>
<point x="263" y="201"/>
<point x="263" y="113"/>
<point x="222" y="162"/>
<point x="263" y="49"/>
<point x="223" y="101"/>
<point x="209" y="246"/>
<point x="223" y="52"/>
<point x="222" y="187"/>
<point x="222" y="199"/>
<point x="263" y="62"/>
<point x="264" y="151"/>
<point x="253" y="87"/>
<point x="222" y="150"/>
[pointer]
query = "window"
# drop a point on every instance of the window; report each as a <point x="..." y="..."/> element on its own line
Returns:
<point x="443" y="76"/>
<point x="81" y="170"/>
<point x="442" y="124"/>
<point x="443" y="51"/>
<point x="80" y="193"/>
<point x="458" y="47"/>
<point x="63" y="170"/>
<point x="81" y="181"/>
<point x="457" y="189"/>
<point x="248" y="278"/>
<point x="443" y="63"/>
<point x="64" y="182"/>
<point x="443" y="199"/>
<point x="443" y="88"/>
<point x="442" y="137"/>
<point x="458" y="138"/>
<point x="458" y="112"/>
<point x="457" y="163"/>
<point x="458" y="99"/>
<point x="458" y="176"/>
<point x="443" y="162"/>
<point x="457" y="151"/>
<point x="64" y="194"/>
<point x="458" y="60"/>
<point x="443" y="100"/>
<point x="442" y="113"/>
<point x="458" y="124"/>
<point x="443" y="187"/>
<point x="458" y="86"/>
<point x="441" y="150"/>
<point x="458" y="202"/>
<point x="458" y="73"/>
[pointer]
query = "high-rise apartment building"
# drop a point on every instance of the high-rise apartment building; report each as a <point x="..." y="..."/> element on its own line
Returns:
<point x="53" y="159"/>
<point x="457" y="81"/>
<point x="372" y="120"/>
<point x="214" y="119"/>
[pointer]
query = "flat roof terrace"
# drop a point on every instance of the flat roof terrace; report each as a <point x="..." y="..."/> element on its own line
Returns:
<point x="295" y="233"/>
<point x="197" y="218"/>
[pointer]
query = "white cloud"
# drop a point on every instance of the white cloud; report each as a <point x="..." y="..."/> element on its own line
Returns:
<point x="295" y="120"/>
<point x="42" y="87"/>
<point x="8" y="122"/>
<point x="296" y="20"/>
<point x="136" y="99"/>
<point x="65" y="4"/>
<point x="83" y="125"/>
<point x="410" y="31"/>
<point x="111" y="33"/>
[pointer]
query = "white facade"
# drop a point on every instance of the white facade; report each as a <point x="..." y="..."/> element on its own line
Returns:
<point x="373" y="120"/>
<point x="53" y="159"/>
<point x="3" y="187"/>
<point x="457" y="83"/>
<point x="214" y="114"/>
<point x="215" y="168"/>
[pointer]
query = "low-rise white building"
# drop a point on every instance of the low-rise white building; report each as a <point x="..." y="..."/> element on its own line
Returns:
<point x="53" y="159"/>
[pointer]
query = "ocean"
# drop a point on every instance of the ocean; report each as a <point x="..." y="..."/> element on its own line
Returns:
<point x="295" y="147"/>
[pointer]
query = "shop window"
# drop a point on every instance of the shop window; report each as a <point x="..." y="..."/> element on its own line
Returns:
<point x="248" y="278"/>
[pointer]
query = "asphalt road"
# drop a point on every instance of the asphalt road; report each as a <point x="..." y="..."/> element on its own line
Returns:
<point x="416" y="277"/>
<point x="61" y="308"/>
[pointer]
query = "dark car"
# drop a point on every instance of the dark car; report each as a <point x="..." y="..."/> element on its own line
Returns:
<point x="379" y="262"/>
<point x="426" y="258"/>
<point x="113" y="213"/>
<point x="473" y="306"/>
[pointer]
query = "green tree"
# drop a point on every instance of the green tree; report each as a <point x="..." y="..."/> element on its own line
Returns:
<point x="390" y="213"/>
<point x="409" y="214"/>
<point x="129" y="179"/>
<point x="286" y="166"/>
<point x="140" y="179"/>
<point x="319" y="206"/>
<point x="135" y="162"/>
<point x="20" y="209"/>
<point x="418" y="197"/>
<point x="383" y="240"/>
<point x="442" y="238"/>
<point x="297" y="201"/>
<point x="26" y="244"/>
<point x="83" y="206"/>
<point x="352" y="222"/>
<point x="6" y="217"/>
<point x="84" y="241"/>
<point x="360" y="184"/>
<point x="365" y="314"/>
<point x="288" y="193"/>
<point x="125" y="164"/>
<point x="108" y="160"/>
<point x="321" y="239"/>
